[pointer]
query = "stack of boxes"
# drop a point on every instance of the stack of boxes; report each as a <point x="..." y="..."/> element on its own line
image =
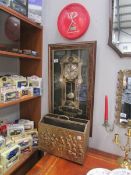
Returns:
<point x="20" y="6"/>
<point x="20" y="139"/>
<point x="30" y="8"/>
<point x="14" y="87"/>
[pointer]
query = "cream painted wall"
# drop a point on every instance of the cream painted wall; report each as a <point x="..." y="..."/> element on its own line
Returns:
<point x="108" y="64"/>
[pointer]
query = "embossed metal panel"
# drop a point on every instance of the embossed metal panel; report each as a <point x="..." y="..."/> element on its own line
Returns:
<point x="67" y="143"/>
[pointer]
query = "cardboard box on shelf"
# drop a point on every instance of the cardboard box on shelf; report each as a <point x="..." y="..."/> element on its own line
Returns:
<point x="35" y="10"/>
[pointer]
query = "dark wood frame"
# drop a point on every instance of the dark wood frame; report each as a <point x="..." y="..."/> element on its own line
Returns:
<point x="110" y="33"/>
<point x="91" y="46"/>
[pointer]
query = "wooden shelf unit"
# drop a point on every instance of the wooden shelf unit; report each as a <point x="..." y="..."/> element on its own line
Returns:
<point x="14" y="102"/>
<point x="17" y="55"/>
<point x="31" y="35"/>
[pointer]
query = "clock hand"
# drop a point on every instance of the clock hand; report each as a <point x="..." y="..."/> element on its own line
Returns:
<point x="73" y="69"/>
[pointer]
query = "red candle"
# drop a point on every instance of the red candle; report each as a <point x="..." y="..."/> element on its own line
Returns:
<point x="106" y="108"/>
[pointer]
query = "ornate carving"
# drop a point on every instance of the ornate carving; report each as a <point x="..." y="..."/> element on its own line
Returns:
<point x="63" y="142"/>
<point x="121" y="85"/>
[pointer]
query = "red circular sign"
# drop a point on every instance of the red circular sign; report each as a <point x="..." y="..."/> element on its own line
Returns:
<point x="73" y="21"/>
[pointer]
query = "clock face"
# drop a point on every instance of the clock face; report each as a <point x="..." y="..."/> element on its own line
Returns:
<point x="71" y="71"/>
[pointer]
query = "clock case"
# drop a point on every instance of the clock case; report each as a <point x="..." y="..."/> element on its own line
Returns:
<point x="64" y="134"/>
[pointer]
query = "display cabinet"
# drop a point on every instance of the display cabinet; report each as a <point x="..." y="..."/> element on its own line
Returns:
<point x="30" y="38"/>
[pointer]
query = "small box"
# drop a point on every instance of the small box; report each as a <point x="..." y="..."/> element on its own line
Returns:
<point x="28" y="125"/>
<point x="19" y="81"/>
<point x="64" y="137"/>
<point x="9" y="156"/>
<point x="5" y="2"/>
<point x="25" y="143"/>
<point x="35" y="85"/>
<point x="35" y="10"/>
<point x="2" y="142"/>
<point x="8" y="94"/>
<point x="34" y="134"/>
<point x="3" y="129"/>
<point x="15" y="129"/>
<point x="20" y="6"/>
<point x="9" y="142"/>
<point x="6" y="81"/>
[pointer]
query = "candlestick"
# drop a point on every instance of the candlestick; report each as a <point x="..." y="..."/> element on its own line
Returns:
<point x="116" y="139"/>
<point x="124" y="162"/>
<point x="129" y="132"/>
<point x="106" y="108"/>
<point x="108" y="127"/>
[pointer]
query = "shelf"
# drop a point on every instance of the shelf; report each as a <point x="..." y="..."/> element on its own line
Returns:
<point x="21" y="162"/>
<point x="124" y="5"/>
<point x="19" y="16"/>
<point x="22" y="99"/>
<point x="16" y="55"/>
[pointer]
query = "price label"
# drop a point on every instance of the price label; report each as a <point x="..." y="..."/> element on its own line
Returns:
<point x="123" y="115"/>
<point x="56" y="60"/>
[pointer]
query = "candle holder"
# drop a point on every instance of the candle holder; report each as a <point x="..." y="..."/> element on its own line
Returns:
<point x="109" y="127"/>
<point x="124" y="162"/>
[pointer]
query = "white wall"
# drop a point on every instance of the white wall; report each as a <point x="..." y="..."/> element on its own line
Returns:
<point x="108" y="64"/>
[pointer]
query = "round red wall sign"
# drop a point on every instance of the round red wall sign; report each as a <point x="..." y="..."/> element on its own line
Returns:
<point x="73" y="21"/>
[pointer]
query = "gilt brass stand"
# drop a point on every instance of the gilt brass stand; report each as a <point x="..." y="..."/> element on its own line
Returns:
<point x="124" y="162"/>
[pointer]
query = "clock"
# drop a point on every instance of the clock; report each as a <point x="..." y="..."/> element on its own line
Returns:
<point x="70" y="82"/>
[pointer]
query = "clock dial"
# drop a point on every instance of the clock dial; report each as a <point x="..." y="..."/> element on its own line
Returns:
<point x="71" y="71"/>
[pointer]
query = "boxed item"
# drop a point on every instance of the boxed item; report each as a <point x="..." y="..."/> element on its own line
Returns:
<point x="21" y="84"/>
<point x="15" y="129"/>
<point x="35" y="85"/>
<point x="19" y="81"/>
<point x="9" y="142"/>
<point x="2" y="142"/>
<point x="34" y="134"/>
<point x="20" y="6"/>
<point x="35" y="10"/>
<point x="28" y="125"/>
<point x="3" y="129"/>
<point x="25" y="143"/>
<point x="5" y="81"/>
<point x="8" y="94"/>
<point x="64" y="137"/>
<point x="9" y="156"/>
<point x="5" y="2"/>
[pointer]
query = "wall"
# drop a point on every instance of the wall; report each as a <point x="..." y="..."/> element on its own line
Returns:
<point x="108" y="64"/>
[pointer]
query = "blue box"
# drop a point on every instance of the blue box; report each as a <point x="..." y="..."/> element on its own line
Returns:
<point x="35" y="10"/>
<point x="20" y="6"/>
<point x="5" y="2"/>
